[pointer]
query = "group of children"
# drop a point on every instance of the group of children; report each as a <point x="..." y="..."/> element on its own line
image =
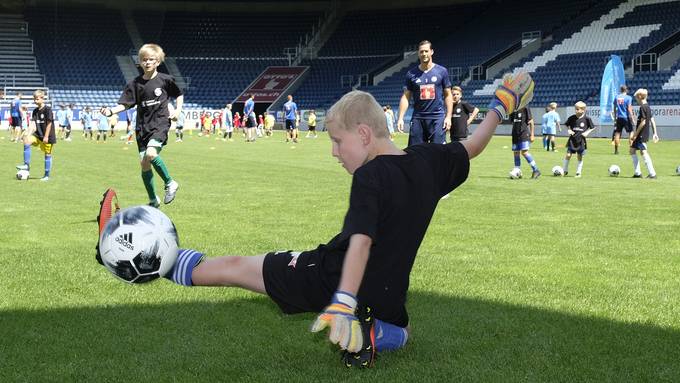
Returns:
<point x="579" y="126"/>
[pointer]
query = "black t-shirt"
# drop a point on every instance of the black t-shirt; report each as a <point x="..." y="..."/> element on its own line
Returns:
<point x="42" y="118"/>
<point x="645" y="113"/>
<point x="151" y="97"/>
<point x="392" y="200"/>
<point x="520" y="125"/>
<point x="459" y="125"/>
<point x="578" y="126"/>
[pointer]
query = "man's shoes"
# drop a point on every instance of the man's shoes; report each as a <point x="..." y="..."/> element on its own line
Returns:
<point x="365" y="358"/>
<point x="651" y="176"/>
<point x="535" y="174"/>
<point x="578" y="175"/>
<point x="170" y="191"/>
<point x="637" y="176"/>
<point x="155" y="202"/>
<point x="46" y="178"/>
<point x="22" y="167"/>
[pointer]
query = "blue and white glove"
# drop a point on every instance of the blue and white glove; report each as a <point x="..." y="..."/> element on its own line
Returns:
<point x="345" y="329"/>
<point x="516" y="91"/>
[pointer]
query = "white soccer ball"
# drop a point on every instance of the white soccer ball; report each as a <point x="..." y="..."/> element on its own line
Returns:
<point x="23" y="175"/>
<point x="614" y="171"/>
<point x="139" y="244"/>
<point x="677" y="170"/>
<point x="515" y="173"/>
<point x="557" y="171"/>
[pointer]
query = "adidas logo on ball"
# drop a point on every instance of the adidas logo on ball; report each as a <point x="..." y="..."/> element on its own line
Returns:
<point x="125" y="240"/>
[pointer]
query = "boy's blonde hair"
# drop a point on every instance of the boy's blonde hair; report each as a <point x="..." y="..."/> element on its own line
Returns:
<point x="458" y="89"/>
<point x="580" y="105"/>
<point x="38" y="93"/>
<point x="357" y="107"/>
<point x="552" y="105"/>
<point x="154" y="49"/>
<point x="642" y="92"/>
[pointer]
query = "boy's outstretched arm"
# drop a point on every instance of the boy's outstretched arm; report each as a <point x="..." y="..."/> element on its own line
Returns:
<point x="514" y="93"/>
<point x="345" y="329"/>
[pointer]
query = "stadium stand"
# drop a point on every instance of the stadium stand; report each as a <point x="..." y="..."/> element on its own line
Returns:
<point x="220" y="53"/>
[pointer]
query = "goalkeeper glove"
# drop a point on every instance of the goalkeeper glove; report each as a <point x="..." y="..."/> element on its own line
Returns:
<point x="513" y="94"/>
<point x="345" y="329"/>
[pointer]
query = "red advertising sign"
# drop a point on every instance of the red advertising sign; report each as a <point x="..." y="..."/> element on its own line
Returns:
<point x="272" y="83"/>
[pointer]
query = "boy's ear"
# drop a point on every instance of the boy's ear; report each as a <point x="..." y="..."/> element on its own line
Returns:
<point x="366" y="133"/>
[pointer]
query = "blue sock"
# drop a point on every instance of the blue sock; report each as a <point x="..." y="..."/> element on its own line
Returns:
<point x="389" y="337"/>
<point x="27" y="155"/>
<point x="48" y="165"/>
<point x="530" y="160"/>
<point x="180" y="273"/>
<point x="545" y="142"/>
<point x="517" y="161"/>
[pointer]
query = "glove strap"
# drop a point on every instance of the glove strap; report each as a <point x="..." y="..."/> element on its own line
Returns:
<point x="345" y="298"/>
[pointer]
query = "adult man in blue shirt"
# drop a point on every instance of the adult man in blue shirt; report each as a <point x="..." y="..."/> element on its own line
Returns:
<point x="622" y="113"/>
<point x="250" y="119"/>
<point x="430" y="86"/>
<point x="292" y="116"/>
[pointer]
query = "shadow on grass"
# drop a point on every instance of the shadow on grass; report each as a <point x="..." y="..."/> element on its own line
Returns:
<point x="247" y="339"/>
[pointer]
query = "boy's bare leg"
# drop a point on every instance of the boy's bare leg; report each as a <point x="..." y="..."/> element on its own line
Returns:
<point x="237" y="271"/>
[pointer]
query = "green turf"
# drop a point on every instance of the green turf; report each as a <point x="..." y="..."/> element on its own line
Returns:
<point x="555" y="280"/>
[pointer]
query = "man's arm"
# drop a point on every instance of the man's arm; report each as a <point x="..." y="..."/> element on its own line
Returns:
<point x="448" y="101"/>
<point x="403" y="106"/>
<point x="531" y="129"/>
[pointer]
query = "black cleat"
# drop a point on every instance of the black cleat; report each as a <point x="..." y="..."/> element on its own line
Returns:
<point x="637" y="176"/>
<point x="536" y="173"/>
<point x="651" y="177"/>
<point x="365" y="358"/>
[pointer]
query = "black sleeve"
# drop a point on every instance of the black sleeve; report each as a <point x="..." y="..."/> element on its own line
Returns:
<point x="528" y="114"/>
<point x="455" y="166"/>
<point x="363" y="213"/>
<point x="48" y="115"/>
<point x="468" y="108"/>
<point x="570" y="122"/>
<point x="129" y="96"/>
<point x="172" y="88"/>
<point x="590" y="123"/>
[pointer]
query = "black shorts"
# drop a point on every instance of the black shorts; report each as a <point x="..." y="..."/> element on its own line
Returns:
<point x="15" y="122"/>
<point x="304" y="282"/>
<point x="623" y="123"/>
<point x="144" y="136"/>
<point x="312" y="127"/>
<point x="290" y="124"/>
<point x="250" y="122"/>
<point x="295" y="283"/>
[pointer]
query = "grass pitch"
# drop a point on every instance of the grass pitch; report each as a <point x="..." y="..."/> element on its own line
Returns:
<point x="559" y="279"/>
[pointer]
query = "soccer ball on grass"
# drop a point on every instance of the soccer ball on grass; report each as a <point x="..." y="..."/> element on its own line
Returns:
<point x="139" y="244"/>
<point x="23" y="175"/>
<point x="557" y="171"/>
<point x="614" y="171"/>
<point x="515" y="173"/>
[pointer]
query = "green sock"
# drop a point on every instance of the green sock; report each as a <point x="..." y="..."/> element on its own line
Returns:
<point x="161" y="169"/>
<point x="147" y="177"/>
